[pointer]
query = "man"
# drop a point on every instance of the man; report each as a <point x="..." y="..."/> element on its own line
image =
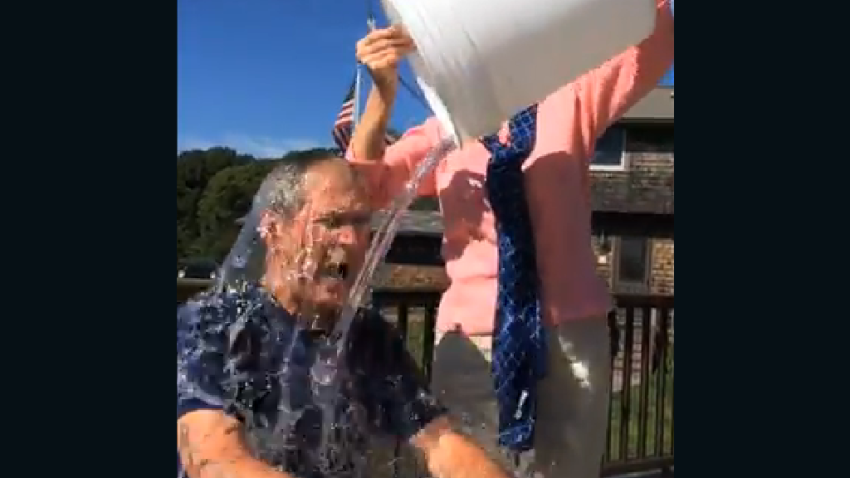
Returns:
<point x="572" y="398"/>
<point x="252" y="400"/>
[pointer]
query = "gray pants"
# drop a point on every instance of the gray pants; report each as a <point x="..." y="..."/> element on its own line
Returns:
<point x="572" y="399"/>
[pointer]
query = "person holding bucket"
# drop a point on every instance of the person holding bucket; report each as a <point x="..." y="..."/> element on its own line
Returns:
<point x="554" y="423"/>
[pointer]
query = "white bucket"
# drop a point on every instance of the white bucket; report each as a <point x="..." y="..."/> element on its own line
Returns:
<point x="478" y="62"/>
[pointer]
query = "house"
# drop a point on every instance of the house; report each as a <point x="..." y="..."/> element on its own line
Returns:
<point x="633" y="174"/>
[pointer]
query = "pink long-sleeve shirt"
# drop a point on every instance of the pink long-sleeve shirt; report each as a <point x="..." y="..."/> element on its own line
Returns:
<point x="557" y="184"/>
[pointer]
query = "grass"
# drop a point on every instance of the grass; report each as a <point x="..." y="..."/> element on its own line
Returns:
<point x="655" y="395"/>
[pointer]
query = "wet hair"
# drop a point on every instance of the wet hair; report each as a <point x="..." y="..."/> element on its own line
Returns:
<point x="283" y="188"/>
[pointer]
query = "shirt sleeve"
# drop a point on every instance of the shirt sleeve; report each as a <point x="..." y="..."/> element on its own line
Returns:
<point x="601" y="96"/>
<point x="397" y="385"/>
<point x="200" y="360"/>
<point x="387" y="176"/>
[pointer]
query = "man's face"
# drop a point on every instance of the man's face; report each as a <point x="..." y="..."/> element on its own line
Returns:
<point x="325" y="244"/>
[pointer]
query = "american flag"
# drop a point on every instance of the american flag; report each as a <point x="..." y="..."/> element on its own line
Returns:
<point x="345" y="121"/>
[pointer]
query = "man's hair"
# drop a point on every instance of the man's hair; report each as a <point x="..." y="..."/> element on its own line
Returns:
<point x="283" y="189"/>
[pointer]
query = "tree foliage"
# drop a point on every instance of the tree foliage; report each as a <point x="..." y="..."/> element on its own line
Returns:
<point x="215" y="187"/>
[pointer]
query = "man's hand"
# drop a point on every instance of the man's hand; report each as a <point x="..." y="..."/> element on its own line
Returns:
<point x="381" y="50"/>
<point x="451" y="455"/>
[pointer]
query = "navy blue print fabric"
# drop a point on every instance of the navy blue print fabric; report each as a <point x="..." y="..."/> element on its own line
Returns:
<point x="519" y="355"/>
<point x="233" y="348"/>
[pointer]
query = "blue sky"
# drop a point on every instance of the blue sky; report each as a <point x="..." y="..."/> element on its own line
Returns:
<point x="267" y="76"/>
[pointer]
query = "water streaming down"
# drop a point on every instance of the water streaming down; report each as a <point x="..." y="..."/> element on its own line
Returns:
<point x="238" y="325"/>
<point x="332" y="353"/>
<point x="383" y="238"/>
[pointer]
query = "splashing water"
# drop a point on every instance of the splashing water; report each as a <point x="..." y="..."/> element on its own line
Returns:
<point x="331" y="353"/>
<point x="385" y="233"/>
<point x="212" y="315"/>
<point x="227" y="344"/>
<point x="381" y="242"/>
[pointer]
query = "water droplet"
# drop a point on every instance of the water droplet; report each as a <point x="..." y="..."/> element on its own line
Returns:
<point x="240" y="261"/>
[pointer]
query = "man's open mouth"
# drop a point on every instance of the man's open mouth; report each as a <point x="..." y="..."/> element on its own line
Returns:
<point x="336" y="271"/>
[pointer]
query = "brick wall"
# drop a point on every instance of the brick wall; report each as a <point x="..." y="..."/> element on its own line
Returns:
<point x="661" y="275"/>
<point x="645" y="184"/>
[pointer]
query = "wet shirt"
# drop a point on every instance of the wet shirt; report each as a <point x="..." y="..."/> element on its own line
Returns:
<point x="241" y="353"/>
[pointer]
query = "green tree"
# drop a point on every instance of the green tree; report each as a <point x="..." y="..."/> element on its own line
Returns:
<point x="226" y="198"/>
<point x="195" y="168"/>
<point x="215" y="187"/>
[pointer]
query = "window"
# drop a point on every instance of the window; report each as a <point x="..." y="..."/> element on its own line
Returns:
<point x="608" y="155"/>
<point x="651" y="138"/>
<point x="632" y="271"/>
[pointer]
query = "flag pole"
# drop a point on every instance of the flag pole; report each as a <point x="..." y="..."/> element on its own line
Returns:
<point x="370" y="24"/>
<point x="356" y="110"/>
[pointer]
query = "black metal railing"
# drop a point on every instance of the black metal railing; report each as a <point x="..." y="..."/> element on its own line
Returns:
<point x="640" y="417"/>
<point x="640" y="414"/>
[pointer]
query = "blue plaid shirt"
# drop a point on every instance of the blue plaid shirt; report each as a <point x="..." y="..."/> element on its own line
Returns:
<point x="232" y="349"/>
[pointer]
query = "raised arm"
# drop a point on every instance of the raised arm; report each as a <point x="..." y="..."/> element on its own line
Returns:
<point x="604" y="94"/>
<point x="387" y="169"/>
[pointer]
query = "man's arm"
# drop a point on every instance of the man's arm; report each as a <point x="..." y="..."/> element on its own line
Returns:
<point x="368" y="140"/>
<point x="387" y="169"/>
<point x="211" y="446"/>
<point x="601" y="96"/>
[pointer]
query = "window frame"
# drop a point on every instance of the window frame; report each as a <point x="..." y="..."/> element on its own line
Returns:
<point x="621" y="166"/>
<point x="621" y="286"/>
